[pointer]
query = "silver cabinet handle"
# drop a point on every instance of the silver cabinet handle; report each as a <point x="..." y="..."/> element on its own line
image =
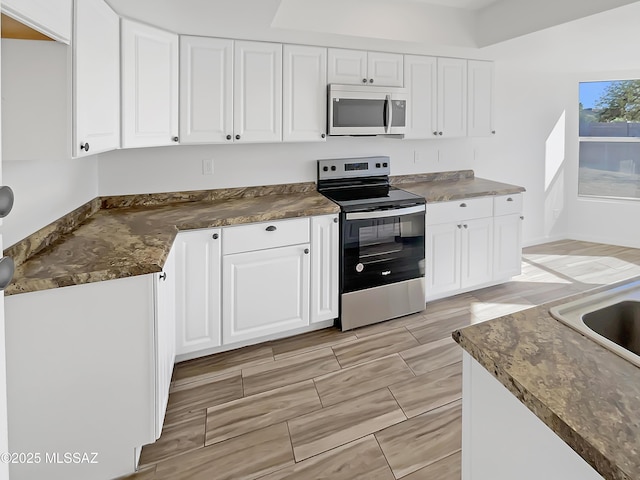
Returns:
<point x="521" y="217"/>
<point x="509" y="199"/>
<point x="466" y="226"/>
<point x="7" y="268"/>
<point x="163" y="276"/>
<point x="463" y="205"/>
<point x="306" y="250"/>
<point x="459" y="226"/>
<point x="335" y="220"/>
<point x="271" y="228"/>
<point x="6" y="200"/>
<point x="215" y="236"/>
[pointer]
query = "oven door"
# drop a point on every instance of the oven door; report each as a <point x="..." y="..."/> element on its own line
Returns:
<point x="382" y="247"/>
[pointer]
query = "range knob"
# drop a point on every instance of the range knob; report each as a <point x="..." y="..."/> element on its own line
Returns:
<point x="325" y="169"/>
<point x="377" y="165"/>
<point x="384" y="164"/>
<point x="333" y="168"/>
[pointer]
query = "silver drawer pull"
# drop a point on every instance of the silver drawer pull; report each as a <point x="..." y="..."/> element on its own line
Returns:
<point x="509" y="199"/>
<point x="271" y="228"/>
<point x="6" y="201"/>
<point x="463" y="204"/>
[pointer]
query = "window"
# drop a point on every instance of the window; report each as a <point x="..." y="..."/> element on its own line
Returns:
<point x="609" y="157"/>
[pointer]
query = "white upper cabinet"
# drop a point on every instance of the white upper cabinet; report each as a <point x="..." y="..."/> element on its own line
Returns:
<point x="206" y="90"/>
<point x="385" y="69"/>
<point x="257" y="92"/>
<point x="305" y="93"/>
<point x="452" y="97"/>
<point x="96" y="78"/>
<point x="49" y="17"/>
<point x="149" y="86"/>
<point x="480" y="78"/>
<point x="421" y="80"/>
<point x="357" y="67"/>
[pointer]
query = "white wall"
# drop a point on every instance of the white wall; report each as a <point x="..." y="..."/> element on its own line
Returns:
<point x="36" y="138"/>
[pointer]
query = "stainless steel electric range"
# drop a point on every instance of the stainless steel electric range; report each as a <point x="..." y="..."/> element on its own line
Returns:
<point x="381" y="241"/>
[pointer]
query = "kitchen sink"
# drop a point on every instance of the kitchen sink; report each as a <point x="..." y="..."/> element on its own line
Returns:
<point x="610" y="318"/>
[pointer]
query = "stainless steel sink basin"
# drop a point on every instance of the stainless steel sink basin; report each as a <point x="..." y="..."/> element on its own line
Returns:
<point x="611" y="318"/>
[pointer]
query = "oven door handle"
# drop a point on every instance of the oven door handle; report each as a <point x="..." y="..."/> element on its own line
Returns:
<point x="396" y="212"/>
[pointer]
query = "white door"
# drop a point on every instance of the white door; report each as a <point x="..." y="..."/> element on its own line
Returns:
<point x="324" y="267"/>
<point x="452" y="97"/>
<point x="165" y="348"/>
<point x="264" y="292"/>
<point x="206" y="90"/>
<point x="443" y="258"/>
<point x="305" y="94"/>
<point x="421" y="77"/>
<point x="347" y="66"/>
<point x="385" y="69"/>
<point x="507" y="252"/>
<point x="4" y="438"/>
<point x="149" y="86"/>
<point x="96" y="78"/>
<point x="198" y="260"/>
<point x="257" y="92"/>
<point x="480" y="78"/>
<point x="476" y="252"/>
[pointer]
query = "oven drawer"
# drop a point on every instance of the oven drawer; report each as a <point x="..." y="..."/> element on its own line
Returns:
<point x="507" y="204"/>
<point x="465" y="209"/>
<point x="259" y="236"/>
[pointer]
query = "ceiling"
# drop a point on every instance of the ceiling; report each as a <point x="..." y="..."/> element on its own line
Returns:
<point x="549" y="34"/>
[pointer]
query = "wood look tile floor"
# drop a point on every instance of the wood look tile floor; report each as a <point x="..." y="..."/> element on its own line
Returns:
<point x="379" y="402"/>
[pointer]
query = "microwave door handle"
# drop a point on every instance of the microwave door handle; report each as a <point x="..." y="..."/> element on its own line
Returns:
<point x="388" y="113"/>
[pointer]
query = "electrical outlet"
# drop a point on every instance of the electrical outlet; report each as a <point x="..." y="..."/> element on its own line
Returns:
<point x="207" y="166"/>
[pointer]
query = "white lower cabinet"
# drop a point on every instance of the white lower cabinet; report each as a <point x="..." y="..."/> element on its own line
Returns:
<point x="265" y="292"/>
<point x="507" y="234"/>
<point x="471" y="243"/>
<point x="88" y="370"/>
<point x="325" y="252"/>
<point x="198" y="292"/>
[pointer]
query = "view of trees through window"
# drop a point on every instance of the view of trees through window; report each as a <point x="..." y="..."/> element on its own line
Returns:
<point x="609" y="162"/>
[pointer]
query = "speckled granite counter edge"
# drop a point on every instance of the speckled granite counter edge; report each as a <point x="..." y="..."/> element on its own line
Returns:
<point x="22" y="250"/>
<point x="603" y="465"/>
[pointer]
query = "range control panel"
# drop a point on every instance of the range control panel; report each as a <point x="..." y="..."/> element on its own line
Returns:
<point x="353" y="167"/>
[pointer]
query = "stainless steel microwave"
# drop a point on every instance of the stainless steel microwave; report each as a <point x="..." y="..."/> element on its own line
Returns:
<point x="366" y="110"/>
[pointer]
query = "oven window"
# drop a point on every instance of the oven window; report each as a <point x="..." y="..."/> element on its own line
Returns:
<point x="381" y="251"/>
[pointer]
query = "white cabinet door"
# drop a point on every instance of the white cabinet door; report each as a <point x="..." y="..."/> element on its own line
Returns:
<point x="50" y="17"/>
<point x="305" y="94"/>
<point x="443" y="258"/>
<point x="265" y="292"/>
<point x="149" y="86"/>
<point x="96" y="78"/>
<point x="480" y="83"/>
<point x="476" y="252"/>
<point x="165" y="348"/>
<point x="452" y="97"/>
<point x="385" y="69"/>
<point x="507" y="250"/>
<point x="198" y="291"/>
<point x="257" y="92"/>
<point x="206" y="90"/>
<point x="421" y="79"/>
<point x="347" y="66"/>
<point x="324" y="267"/>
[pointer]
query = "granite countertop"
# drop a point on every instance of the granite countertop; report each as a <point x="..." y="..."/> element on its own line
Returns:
<point x="122" y="236"/>
<point x="589" y="396"/>
<point x="444" y="188"/>
<point x="121" y="242"/>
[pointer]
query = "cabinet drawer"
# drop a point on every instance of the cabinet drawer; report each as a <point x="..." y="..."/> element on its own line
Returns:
<point x="507" y="204"/>
<point x="258" y="236"/>
<point x="465" y="209"/>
